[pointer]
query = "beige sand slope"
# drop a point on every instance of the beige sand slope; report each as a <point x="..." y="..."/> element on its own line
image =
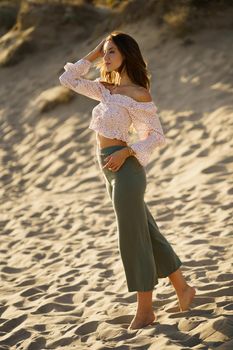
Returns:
<point x="62" y="280"/>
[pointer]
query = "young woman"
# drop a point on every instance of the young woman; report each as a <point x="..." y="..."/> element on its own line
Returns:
<point x="125" y="100"/>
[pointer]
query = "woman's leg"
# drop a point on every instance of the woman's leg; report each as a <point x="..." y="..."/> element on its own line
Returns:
<point x="144" y="313"/>
<point x="168" y="264"/>
<point x="134" y="239"/>
<point x="184" y="291"/>
<point x="126" y="188"/>
<point x="135" y="245"/>
<point x="166" y="260"/>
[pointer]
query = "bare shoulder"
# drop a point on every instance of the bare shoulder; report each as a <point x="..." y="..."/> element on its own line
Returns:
<point x="141" y="94"/>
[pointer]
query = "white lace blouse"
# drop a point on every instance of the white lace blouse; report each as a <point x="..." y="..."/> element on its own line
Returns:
<point x="115" y="113"/>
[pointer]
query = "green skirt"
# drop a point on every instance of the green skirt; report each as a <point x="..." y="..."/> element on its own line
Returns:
<point x="146" y="254"/>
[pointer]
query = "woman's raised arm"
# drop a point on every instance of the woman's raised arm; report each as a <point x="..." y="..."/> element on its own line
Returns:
<point x="73" y="79"/>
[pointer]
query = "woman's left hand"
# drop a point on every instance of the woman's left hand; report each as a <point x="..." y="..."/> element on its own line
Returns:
<point x="115" y="160"/>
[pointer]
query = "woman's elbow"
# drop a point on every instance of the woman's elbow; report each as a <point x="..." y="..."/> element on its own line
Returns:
<point x="162" y="140"/>
<point x="159" y="139"/>
<point x="63" y="79"/>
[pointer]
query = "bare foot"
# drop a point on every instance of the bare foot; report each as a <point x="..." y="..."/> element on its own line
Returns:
<point x="140" y="320"/>
<point x="186" y="298"/>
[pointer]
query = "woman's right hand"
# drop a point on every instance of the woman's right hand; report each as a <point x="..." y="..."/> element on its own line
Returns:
<point x="99" y="49"/>
<point x="97" y="52"/>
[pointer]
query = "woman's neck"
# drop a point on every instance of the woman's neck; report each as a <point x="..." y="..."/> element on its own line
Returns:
<point x="123" y="81"/>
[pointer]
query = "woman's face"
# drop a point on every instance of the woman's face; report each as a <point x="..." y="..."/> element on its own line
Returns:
<point x="111" y="56"/>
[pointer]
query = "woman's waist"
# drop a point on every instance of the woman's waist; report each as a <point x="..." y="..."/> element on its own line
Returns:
<point x="105" y="145"/>
<point x="103" y="141"/>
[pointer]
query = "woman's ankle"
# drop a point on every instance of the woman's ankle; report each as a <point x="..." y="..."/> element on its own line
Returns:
<point x="144" y="311"/>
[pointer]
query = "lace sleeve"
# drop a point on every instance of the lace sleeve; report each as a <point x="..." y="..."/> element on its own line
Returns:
<point x="72" y="79"/>
<point x="150" y="132"/>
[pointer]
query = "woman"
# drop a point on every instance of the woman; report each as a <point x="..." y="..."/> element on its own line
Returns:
<point x="125" y="100"/>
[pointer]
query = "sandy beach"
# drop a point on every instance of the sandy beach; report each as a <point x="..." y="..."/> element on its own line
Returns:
<point x="62" y="279"/>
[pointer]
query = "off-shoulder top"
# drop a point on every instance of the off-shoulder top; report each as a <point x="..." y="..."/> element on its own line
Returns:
<point x="115" y="113"/>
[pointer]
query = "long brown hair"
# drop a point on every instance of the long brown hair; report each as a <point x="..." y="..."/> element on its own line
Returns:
<point x="135" y="65"/>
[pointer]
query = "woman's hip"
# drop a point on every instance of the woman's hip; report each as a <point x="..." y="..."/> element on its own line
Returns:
<point x="131" y="171"/>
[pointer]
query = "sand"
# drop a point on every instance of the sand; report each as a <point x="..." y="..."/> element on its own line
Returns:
<point x="62" y="279"/>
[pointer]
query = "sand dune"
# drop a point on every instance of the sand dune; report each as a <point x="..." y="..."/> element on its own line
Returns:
<point x="62" y="280"/>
